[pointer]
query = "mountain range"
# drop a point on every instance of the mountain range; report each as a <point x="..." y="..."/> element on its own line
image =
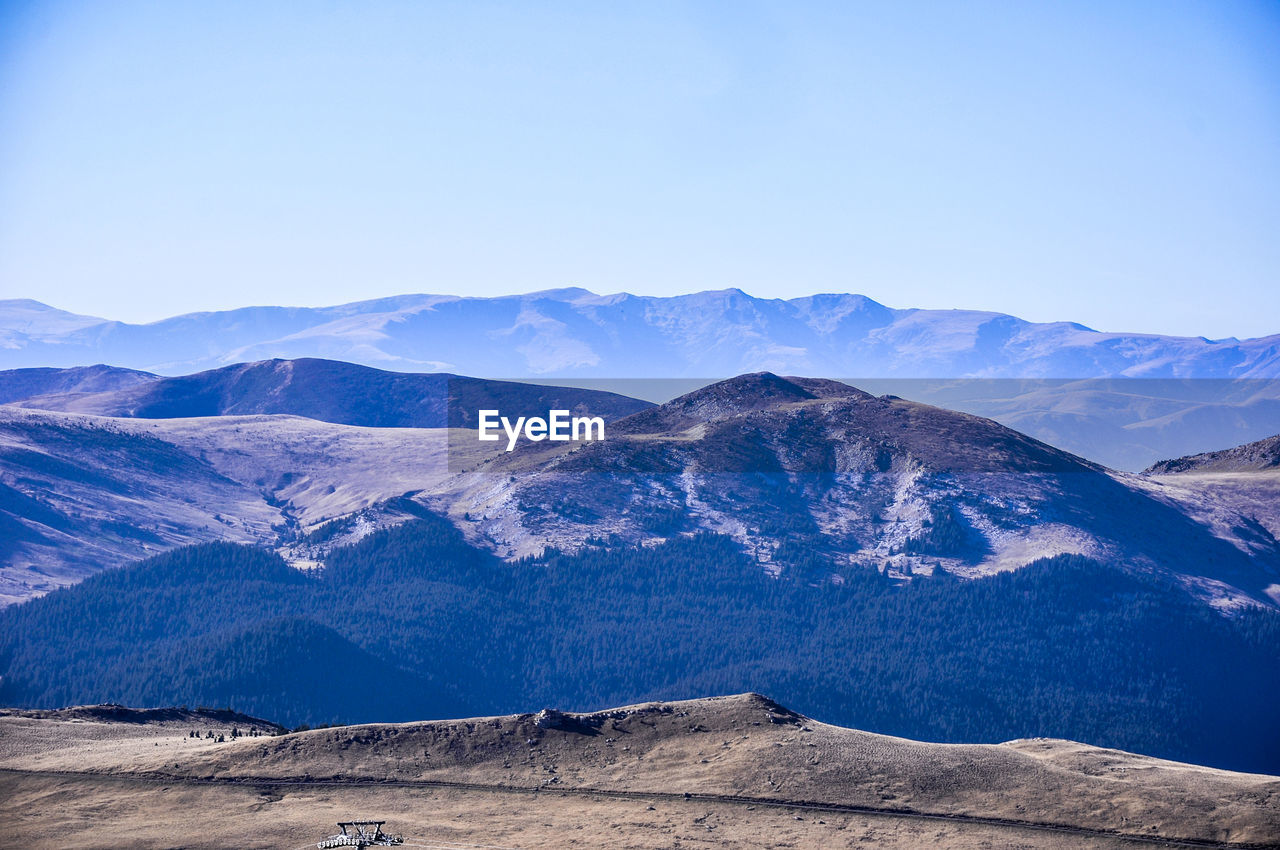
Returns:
<point x="576" y="333"/>
<point x="1124" y="400"/>
<point x="1127" y="423"/>
<point x="873" y="560"/>
<point x="807" y="474"/>
<point x="254" y="453"/>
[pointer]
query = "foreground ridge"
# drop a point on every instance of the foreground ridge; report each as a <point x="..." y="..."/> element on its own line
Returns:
<point x="744" y="753"/>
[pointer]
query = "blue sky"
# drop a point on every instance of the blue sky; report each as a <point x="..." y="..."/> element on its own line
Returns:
<point x="1116" y="163"/>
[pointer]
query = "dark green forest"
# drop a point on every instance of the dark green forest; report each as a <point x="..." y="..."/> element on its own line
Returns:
<point x="413" y="623"/>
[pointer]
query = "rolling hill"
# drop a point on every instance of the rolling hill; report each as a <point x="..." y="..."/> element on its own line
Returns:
<point x="21" y="384"/>
<point x="329" y="391"/>
<point x="732" y="771"/>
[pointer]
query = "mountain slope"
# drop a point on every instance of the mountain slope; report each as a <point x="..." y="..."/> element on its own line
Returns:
<point x="810" y="475"/>
<point x="819" y="476"/>
<point x="1259" y="456"/>
<point x="332" y="391"/>
<point x="80" y="494"/>
<point x="19" y="384"/>
<point x="1124" y="423"/>
<point x="572" y="332"/>
<point x="1066" y="647"/>
<point x="1234" y="492"/>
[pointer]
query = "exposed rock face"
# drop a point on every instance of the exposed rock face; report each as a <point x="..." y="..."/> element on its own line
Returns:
<point x="549" y="718"/>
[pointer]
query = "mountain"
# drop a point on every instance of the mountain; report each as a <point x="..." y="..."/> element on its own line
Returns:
<point x="81" y="493"/>
<point x="326" y="390"/>
<point x="1259" y="456"/>
<point x="20" y="384"/>
<point x="1126" y="423"/>
<point x="25" y="322"/>
<point x="576" y="333"/>
<point x="873" y="561"/>
<point x="806" y="474"/>
<point x="720" y="771"/>
<point x="819" y="476"/>
<point x="1124" y="400"/>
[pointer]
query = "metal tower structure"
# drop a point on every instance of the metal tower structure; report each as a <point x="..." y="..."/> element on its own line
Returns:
<point x="360" y="833"/>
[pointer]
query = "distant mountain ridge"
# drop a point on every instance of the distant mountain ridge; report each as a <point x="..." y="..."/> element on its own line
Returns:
<point x="1258" y="456"/>
<point x="576" y="333"/>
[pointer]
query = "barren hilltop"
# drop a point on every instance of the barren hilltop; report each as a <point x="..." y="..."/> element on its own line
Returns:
<point x="738" y="771"/>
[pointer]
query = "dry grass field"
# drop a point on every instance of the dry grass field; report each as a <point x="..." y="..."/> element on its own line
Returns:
<point x="739" y="772"/>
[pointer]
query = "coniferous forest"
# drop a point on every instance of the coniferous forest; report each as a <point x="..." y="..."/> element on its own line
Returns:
<point x="413" y="623"/>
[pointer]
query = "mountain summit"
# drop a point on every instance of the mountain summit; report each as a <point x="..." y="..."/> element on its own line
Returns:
<point x="822" y="478"/>
<point x="808" y="475"/>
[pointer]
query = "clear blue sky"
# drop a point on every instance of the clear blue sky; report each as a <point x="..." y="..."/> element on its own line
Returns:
<point x="1113" y="163"/>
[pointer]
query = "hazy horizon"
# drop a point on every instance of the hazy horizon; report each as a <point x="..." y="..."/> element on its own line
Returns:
<point x="393" y="296"/>
<point x="1110" y="165"/>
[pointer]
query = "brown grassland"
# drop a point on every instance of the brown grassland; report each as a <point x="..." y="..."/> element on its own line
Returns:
<point x="738" y="772"/>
